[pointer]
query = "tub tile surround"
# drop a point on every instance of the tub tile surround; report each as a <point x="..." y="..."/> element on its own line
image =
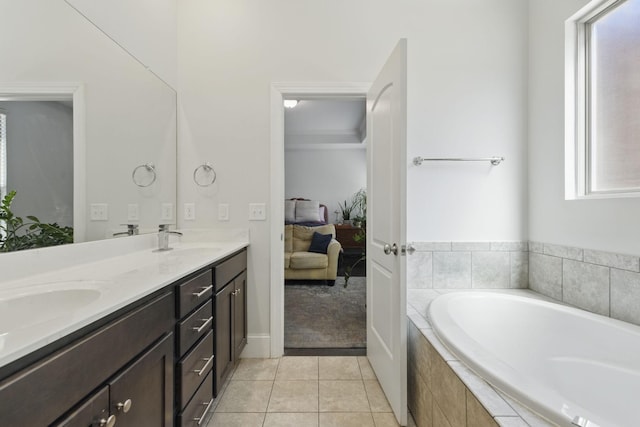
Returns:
<point x="461" y="398"/>
<point x="601" y="282"/>
<point x="468" y="265"/>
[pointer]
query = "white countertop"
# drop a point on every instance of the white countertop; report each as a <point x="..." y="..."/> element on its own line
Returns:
<point x="40" y="308"/>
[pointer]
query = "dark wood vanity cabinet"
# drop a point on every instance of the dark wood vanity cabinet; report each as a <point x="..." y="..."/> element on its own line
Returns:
<point x="230" y="314"/>
<point x="127" y="360"/>
<point x="157" y="362"/>
<point x="139" y="395"/>
<point x="194" y="348"/>
<point x="211" y="331"/>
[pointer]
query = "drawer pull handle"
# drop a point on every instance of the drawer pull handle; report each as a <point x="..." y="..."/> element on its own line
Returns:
<point x="125" y="407"/>
<point x="206" y="365"/>
<point x="202" y="292"/>
<point x="204" y="325"/>
<point x="236" y="292"/>
<point x="204" y="414"/>
<point x="109" y="422"/>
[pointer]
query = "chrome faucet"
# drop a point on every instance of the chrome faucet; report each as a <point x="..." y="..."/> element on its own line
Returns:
<point x="132" y="230"/>
<point x="163" y="237"/>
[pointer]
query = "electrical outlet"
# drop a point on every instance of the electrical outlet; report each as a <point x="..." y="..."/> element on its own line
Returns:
<point x="167" y="212"/>
<point x="257" y="212"/>
<point x="223" y="212"/>
<point x="133" y="212"/>
<point x="99" y="212"/>
<point x="189" y="211"/>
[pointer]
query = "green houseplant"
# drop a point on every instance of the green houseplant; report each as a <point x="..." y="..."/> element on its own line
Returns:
<point x="17" y="234"/>
<point x="346" y="209"/>
<point x="359" y="203"/>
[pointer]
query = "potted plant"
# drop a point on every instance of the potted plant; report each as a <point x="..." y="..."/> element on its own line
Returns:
<point x="346" y="209"/>
<point x="360" y="236"/>
<point x="359" y="202"/>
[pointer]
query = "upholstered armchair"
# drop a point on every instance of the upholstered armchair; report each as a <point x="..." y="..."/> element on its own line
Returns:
<point x="300" y="264"/>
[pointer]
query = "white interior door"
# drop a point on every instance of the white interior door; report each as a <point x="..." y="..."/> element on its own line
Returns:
<point x="386" y="229"/>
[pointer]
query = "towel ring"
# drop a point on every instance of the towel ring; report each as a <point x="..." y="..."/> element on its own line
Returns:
<point x="207" y="169"/>
<point x="150" y="168"/>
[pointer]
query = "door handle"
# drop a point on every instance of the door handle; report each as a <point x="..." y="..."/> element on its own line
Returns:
<point x="388" y="249"/>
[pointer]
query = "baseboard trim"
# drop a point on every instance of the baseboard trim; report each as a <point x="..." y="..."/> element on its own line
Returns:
<point x="325" y="351"/>
<point x="258" y="346"/>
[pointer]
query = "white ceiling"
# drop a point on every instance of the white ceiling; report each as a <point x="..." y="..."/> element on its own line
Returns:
<point x="325" y="123"/>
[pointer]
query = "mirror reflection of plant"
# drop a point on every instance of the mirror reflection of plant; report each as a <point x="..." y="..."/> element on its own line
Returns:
<point x="17" y="234"/>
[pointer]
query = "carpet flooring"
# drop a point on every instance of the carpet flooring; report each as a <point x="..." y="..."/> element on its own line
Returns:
<point x="320" y="316"/>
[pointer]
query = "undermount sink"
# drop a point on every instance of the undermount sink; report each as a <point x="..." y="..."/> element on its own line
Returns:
<point x="44" y="303"/>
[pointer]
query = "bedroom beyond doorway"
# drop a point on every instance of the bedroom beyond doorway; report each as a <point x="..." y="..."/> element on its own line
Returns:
<point x="325" y="199"/>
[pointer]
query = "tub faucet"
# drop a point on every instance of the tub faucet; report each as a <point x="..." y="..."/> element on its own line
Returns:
<point x="132" y="230"/>
<point x="163" y="237"/>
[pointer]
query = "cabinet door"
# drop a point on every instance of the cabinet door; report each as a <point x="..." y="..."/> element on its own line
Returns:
<point x="142" y="394"/>
<point x="224" y="345"/>
<point x="93" y="412"/>
<point x="239" y="315"/>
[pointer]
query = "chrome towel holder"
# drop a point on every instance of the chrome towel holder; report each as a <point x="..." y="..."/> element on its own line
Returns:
<point x="208" y="170"/>
<point x="150" y="168"/>
<point x="495" y="161"/>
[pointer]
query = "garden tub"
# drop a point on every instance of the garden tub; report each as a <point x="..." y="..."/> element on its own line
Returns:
<point x="571" y="366"/>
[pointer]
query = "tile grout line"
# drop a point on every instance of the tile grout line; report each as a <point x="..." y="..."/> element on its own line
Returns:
<point x="610" y="314"/>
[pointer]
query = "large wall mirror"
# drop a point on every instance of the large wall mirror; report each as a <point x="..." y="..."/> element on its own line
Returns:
<point x="89" y="132"/>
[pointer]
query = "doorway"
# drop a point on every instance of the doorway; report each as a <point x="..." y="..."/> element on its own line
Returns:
<point x="280" y="92"/>
<point x="325" y="179"/>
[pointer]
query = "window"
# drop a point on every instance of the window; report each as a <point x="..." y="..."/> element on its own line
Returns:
<point x="603" y="100"/>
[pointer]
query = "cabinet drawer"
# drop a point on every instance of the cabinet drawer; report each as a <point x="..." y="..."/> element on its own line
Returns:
<point x="194" y="327"/>
<point x="230" y="268"/>
<point x="193" y="368"/>
<point x="194" y="292"/>
<point x="195" y="412"/>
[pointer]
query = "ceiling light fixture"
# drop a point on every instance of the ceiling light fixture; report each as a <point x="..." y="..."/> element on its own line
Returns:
<point x="290" y="103"/>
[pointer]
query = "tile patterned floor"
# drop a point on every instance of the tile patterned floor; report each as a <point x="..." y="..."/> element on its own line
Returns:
<point x="303" y="391"/>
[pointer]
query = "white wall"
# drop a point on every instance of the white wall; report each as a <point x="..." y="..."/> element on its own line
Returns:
<point x="145" y="28"/>
<point x="609" y="224"/>
<point x="40" y="159"/>
<point x="467" y="97"/>
<point x="329" y="176"/>
<point x="130" y="113"/>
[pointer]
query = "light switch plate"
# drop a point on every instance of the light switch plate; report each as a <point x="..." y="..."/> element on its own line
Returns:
<point x="167" y="212"/>
<point x="189" y="211"/>
<point x="133" y="212"/>
<point x="99" y="212"/>
<point x="257" y="212"/>
<point x="223" y="212"/>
